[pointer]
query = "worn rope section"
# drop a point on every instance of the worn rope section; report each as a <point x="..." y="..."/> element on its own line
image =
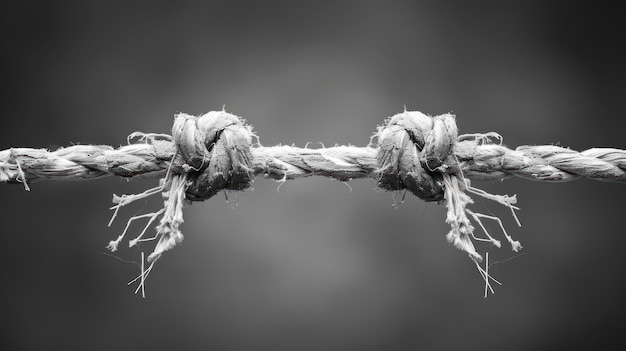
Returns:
<point x="215" y="151"/>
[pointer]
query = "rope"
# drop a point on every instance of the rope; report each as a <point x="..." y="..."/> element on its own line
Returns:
<point x="214" y="152"/>
<point x="478" y="158"/>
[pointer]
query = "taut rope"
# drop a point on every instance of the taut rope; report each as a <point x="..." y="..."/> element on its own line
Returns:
<point x="207" y="154"/>
<point x="478" y="158"/>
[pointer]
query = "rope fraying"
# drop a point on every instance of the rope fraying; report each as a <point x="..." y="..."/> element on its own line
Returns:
<point x="213" y="151"/>
<point x="414" y="152"/>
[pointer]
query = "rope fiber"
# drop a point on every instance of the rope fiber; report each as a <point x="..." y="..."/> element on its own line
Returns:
<point x="217" y="151"/>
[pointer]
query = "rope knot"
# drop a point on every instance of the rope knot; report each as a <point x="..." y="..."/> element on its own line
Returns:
<point x="215" y="152"/>
<point x="414" y="150"/>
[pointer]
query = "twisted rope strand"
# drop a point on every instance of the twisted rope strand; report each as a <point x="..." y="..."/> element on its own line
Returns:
<point x="214" y="152"/>
<point x="152" y="158"/>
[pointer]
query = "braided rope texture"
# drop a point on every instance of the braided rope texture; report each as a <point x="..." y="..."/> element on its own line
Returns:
<point x="151" y="155"/>
<point x="217" y="151"/>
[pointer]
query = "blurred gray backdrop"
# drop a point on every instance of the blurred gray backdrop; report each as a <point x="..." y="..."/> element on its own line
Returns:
<point x="314" y="266"/>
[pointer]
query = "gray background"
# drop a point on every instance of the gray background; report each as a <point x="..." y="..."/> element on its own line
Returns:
<point x="313" y="267"/>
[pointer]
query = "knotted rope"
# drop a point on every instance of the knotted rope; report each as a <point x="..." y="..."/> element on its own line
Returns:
<point x="214" y="152"/>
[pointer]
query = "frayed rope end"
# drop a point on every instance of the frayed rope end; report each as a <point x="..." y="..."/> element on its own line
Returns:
<point x="168" y="233"/>
<point x="462" y="234"/>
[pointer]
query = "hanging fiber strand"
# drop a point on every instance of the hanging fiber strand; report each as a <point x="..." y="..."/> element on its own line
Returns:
<point x="217" y="151"/>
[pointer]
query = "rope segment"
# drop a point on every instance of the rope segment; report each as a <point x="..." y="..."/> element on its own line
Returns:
<point x="215" y="151"/>
<point x="151" y="155"/>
